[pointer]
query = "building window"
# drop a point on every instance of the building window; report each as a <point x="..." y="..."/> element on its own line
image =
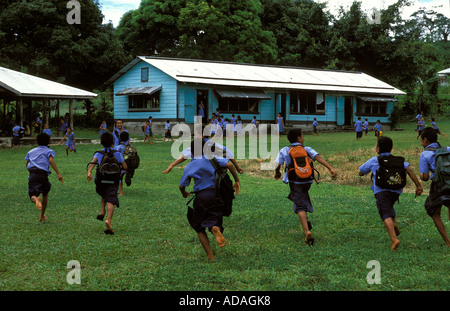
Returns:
<point x="242" y="105"/>
<point x="144" y="102"/>
<point x="144" y="74"/>
<point x="371" y="108"/>
<point x="306" y="102"/>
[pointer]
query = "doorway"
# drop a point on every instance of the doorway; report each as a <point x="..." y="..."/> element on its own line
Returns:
<point x="348" y="110"/>
<point x="202" y="100"/>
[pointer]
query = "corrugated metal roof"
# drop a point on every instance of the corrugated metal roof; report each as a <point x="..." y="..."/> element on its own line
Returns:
<point x="377" y="99"/>
<point x="22" y="84"/>
<point x="444" y="72"/>
<point x="265" y="76"/>
<point x="139" y="90"/>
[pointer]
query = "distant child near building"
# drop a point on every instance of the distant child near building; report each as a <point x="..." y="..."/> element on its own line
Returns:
<point x="280" y="123"/>
<point x="388" y="187"/>
<point x="103" y="128"/>
<point x="300" y="183"/>
<point x="47" y="131"/>
<point x="434" y="165"/>
<point x="238" y="125"/>
<point x="358" y="128"/>
<point x="39" y="161"/>
<point x="62" y="126"/>
<point x="71" y="143"/>
<point x="366" y="126"/>
<point x="207" y="211"/>
<point x="167" y="132"/>
<point x="436" y="128"/>
<point x="315" y="124"/>
<point x="16" y="135"/>
<point x="118" y="129"/>
<point x="420" y="126"/>
<point x="148" y="132"/>
<point x="106" y="185"/>
<point x="378" y="128"/>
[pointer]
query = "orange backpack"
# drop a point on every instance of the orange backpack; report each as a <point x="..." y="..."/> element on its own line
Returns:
<point x="301" y="167"/>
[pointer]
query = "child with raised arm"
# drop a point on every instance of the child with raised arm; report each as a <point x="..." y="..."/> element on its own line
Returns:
<point x="208" y="208"/>
<point x="106" y="189"/>
<point x="71" y="143"/>
<point x="387" y="192"/>
<point x="39" y="161"/>
<point x="299" y="187"/>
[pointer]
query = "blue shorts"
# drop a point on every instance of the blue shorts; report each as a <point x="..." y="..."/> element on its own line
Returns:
<point x="300" y="196"/>
<point x="38" y="183"/>
<point x="385" y="203"/>
<point x="207" y="211"/>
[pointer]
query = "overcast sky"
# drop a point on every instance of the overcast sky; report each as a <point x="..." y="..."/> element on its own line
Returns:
<point x="114" y="9"/>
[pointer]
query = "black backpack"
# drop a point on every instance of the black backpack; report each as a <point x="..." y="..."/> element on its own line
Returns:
<point x="131" y="157"/>
<point x="391" y="174"/>
<point x="108" y="170"/>
<point x="223" y="187"/>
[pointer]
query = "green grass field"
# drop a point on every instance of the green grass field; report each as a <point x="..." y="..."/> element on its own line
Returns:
<point x="154" y="249"/>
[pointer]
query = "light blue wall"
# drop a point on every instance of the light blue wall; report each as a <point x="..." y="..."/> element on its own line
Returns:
<point x="168" y="97"/>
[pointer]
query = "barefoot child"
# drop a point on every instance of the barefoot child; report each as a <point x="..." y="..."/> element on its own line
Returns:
<point x="208" y="209"/>
<point x="299" y="187"/>
<point x="70" y="144"/>
<point x="39" y="160"/>
<point x="107" y="188"/>
<point x="167" y="132"/>
<point x="386" y="197"/>
<point x="436" y="128"/>
<point x="439" y="188"/>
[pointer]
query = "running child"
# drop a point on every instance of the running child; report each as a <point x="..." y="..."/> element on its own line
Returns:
<point x="71" y="143"/>
<point x="366" y="126"/>
<point x="378" y="128"/>
<point x="106" y="189"/>
<point x="439" y="193"/>
<point x="148" y="131"/>
<point x="103" y="128"/>
<point x="436" y="128"/>
<point x="207" y="209"/>
<point x="118" y="129"/>
<point x="299" y="186"/>
<point x="39" y="161"/>
<point x="16" y="135"/>
<point x="387" y="192"/>
<point x="358" y="128"/>
<point x="420" y="126"/>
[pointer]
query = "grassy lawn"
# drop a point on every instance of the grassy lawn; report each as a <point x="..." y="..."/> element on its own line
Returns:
<point x="155" y="249"/>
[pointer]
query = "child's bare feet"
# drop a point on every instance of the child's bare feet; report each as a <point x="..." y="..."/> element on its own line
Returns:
<point x="218" y="235"/>
<point x="43" y="218"/>
<point x="395" y="245"/>
<point x="309" y="240"/>
<point x="38" y="203"/>
<point x="109" y="229"/>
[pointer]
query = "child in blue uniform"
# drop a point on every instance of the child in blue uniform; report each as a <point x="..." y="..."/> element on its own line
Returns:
<point x="434" y="202"/>
<point x="420" y="126"/>
<point x="16" y="136"/>
<point x="103" y="128"/>
<point x="47" y="131"/>
<point x="315" y="124"/>
<point x="71" y="143"/>
<point x="167" y="132"/>
<point x="366" y="126"/>
<point x="118" y="129"/>
<point x="107" y="191"/>
<point x="39" y="161"/>
<point x="280" y="122"/>
<point x="299" y="189"/>
<point x="436" y="128"/>
<point x="378" y="128"/>
<point x="358" y="128"/>
<point x="386" y="198"/>
<point x="207" y="212"/>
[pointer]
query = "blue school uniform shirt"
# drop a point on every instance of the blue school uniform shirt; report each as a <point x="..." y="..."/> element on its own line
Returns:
<point x="358" y="125"/>
<point x="371" y="166"/>
<point x="418" y="117"/>
<point x="434" y="125"/>
<point x="202" y="171"/>
<point x="16" y="130"/>
<point x="233" y="121"/>
<point x="99" y="157"/>
<point x="420" y="125"/>
<point x="167" y="127"/>
<point x="378" y="127"/>
<point x="366" y="125"/>
<point x="284" y="158"/>
<point x="47" y="131"/>
<point x="315" y="123"/>
<point x="427" y="160"/>
<point x="39" y="158"/>
<point x="70" y="139"/>
<point x="117" y="138"/>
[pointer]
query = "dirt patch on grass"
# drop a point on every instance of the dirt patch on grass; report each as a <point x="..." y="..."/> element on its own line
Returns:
<point x="346" y="165"/>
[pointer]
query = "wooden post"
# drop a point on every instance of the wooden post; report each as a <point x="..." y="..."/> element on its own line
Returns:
<point x="71" y="113"/>
<point x="46" y="111"/>
<point x="20" y="111"/>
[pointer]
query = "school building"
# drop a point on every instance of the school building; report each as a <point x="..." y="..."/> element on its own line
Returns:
<point x="172" y="89"/>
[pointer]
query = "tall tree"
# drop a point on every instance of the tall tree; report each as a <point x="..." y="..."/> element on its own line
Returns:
<point x="35" y="37"/>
